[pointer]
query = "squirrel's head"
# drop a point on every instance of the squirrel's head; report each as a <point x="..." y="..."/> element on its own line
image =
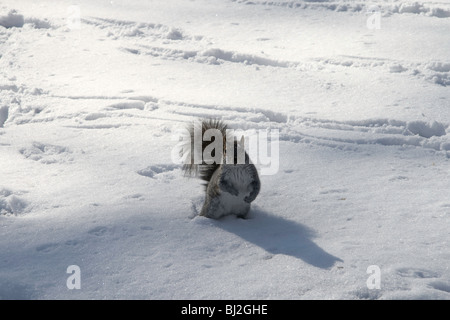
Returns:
<point x="239" y="154"/>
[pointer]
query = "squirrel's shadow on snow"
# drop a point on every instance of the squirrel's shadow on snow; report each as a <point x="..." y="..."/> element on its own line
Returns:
<point x="278" y="235"/>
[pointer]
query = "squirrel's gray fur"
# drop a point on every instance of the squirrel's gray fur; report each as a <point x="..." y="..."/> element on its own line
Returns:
<point x="230" y="187"/>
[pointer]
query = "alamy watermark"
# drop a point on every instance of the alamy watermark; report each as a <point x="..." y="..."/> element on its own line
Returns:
<point x="374" y="280"/>
<point x="74" y="280"/>
<point x="73" y="17"/>
<point x="373" y="22"/>
<point x="262" y="145"/>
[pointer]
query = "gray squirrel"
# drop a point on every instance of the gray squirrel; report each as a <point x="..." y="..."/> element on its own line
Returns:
<point x="230" y="186"/>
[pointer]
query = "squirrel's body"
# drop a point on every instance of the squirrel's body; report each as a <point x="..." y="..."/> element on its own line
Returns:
<point x="230" y="187"/>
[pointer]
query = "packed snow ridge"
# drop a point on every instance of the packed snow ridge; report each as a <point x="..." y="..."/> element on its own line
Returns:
<point x="17" y="20"/>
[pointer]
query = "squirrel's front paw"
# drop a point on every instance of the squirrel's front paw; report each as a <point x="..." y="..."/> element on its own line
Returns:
<point x="227" y="187"/>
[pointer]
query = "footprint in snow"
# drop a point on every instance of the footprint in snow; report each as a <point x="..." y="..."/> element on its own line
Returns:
<point x="416" y="273"/>
<point x="135" y="196"/>
<point x="130" y="104"/>
<point x="164" y="171"/>
<point x="46" y="153"/>
<point x="398" y="178"/>
<point x="11" y="203"/>
<point x="72" y="243"/>
<point x="98" y="231"/>
<point x="329" y="191"/>
<point x="47" y="247"/>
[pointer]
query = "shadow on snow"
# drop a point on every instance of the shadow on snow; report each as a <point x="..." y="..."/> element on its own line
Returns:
<point x="278" y="235"/>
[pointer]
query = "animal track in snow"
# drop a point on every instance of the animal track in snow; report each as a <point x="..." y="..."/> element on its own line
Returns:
<point x="47" y="248"/>
<point x="11" y="202"/>
<point x="333" y="191"/>
<point x="416" y="273"/>
<point x="163" y="171"/>
<point x="98" y="231"/>
<point x="46" y="153"/>
<point x="133" y="104"/>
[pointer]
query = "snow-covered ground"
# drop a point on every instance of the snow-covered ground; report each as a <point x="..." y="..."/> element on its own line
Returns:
<point x="92" y="92"/>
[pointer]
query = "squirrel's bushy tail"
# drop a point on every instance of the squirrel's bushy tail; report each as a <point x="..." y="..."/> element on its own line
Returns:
<point x="204" y="170"/>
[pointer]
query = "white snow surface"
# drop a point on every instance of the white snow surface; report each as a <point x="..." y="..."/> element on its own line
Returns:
<point x="91" y="95"/>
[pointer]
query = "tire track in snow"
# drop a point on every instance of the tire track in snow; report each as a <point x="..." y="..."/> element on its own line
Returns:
<point x="118" y="29"/>
<point x="349" y="135"/>
<point x="344" y="135"/>
<point x="437" y="9"/>
<point x="437" y="72"/>
<point x="175" y="44"/>
<point x="171" y="43"/>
